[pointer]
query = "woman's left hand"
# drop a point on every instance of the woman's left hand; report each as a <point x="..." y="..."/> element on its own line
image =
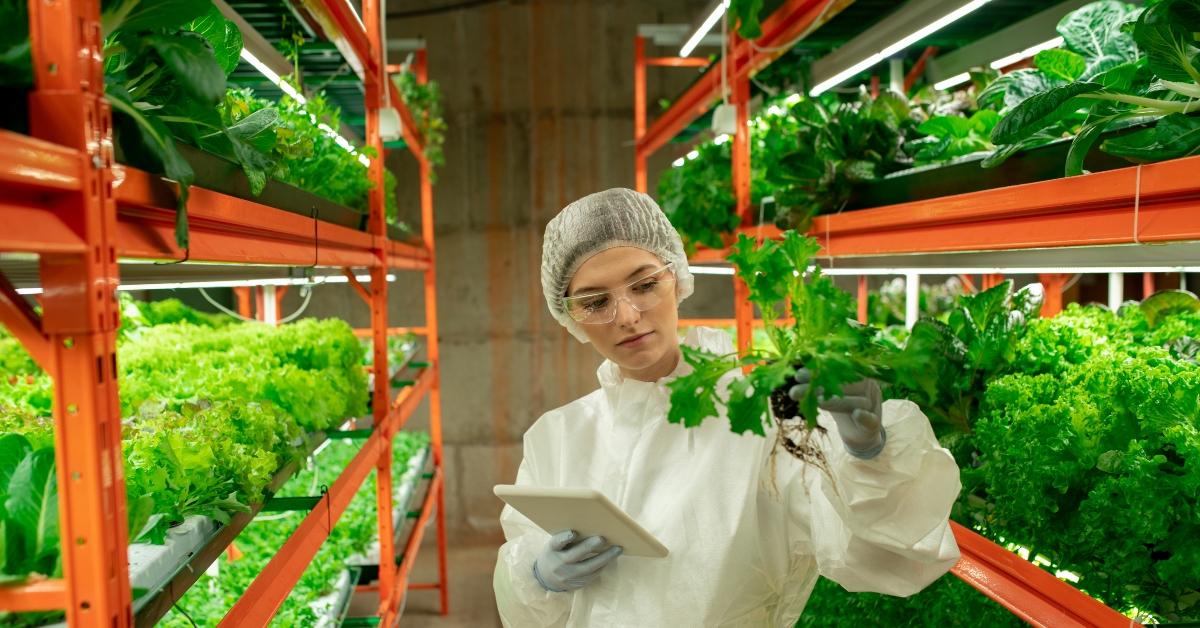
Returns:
<point x="858" y="412"/>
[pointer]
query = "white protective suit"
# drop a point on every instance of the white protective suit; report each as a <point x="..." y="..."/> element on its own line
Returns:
<point x="745" y="551"/>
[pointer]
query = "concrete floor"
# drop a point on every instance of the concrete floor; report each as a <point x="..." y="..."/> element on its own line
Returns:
<point x="472" y="603"/>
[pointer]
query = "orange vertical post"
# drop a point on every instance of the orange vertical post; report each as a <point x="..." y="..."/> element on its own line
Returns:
<point x="377" y="225"/>
<point x="432" y="341"/>
<point x="862" y="299"/>
<point x="1053" y="283"/>
<point x="740" y="97"/>
<point x="280" y="291"/>
<point x="639" y="112"/>
<point x="1147" y="285"/>
<point x="260" y="304"/>
<point x="242" y="293"/>
<point x="80" y="319"/>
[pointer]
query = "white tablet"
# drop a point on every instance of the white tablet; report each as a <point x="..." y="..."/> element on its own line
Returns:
<point x="586" y="511"/>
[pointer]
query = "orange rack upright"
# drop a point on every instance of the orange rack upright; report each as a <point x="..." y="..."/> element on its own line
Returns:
<point x="63" y="198"/>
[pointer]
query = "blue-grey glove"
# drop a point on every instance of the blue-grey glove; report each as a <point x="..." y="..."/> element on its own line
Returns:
<point x="566" y="565"/>
<point x="858" y="413"/>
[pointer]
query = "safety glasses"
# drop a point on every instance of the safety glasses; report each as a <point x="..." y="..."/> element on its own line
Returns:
<point x="599" y="308"/>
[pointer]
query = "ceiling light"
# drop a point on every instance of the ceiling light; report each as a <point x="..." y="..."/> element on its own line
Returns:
<point x="1004" y="62"/>
<point x="678" y="162"/>
<point x="692" y="155"/>
<point x="711" y="21"/>
<point x="881" y="30"/>
<point x="957" y="79"/>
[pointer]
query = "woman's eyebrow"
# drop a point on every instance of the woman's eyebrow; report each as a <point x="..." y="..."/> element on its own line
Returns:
<point x="637" y="271"/>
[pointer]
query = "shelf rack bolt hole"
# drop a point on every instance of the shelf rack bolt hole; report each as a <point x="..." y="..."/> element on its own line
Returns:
<point x="76" y="476"/>
<point x="79" y="540"/>
<point x="72" y="408"/>
<point x="69" y="342"/>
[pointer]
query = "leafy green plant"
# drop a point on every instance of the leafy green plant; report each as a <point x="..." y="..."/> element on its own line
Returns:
<point x="697" y="197"/>
<point x="826" y="147"/>
<point x="748" y="15"/>
<point x="29" y="519"/>
<point x="822" y="338"/>
<point x="1115" y="72"/>
<point x="165" y="70"/>
<point x="948" y="137"/>
<point x="424" y="100"/>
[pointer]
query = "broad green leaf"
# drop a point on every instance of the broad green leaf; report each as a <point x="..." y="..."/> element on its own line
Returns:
<point x="1096" y="31"/>
<point x="1140" y="146"/>
<point x="222" y="34"/>
<point x="1014" y="88"/>
<point x="135" y="16"/>
<point x="257" y="129"/>
<point x="1038" y="111"/>
<point x="13" y="449"/>
<point x="1179" y="135"/>
<point x="747" y="407"/>
<point x="190" y="59"/>
<point x="1118" y="78"/>
<point x="946" y="126"/>
<point x="747" y="13"/>
<point x="1061" y="64"/>
<point x="32" y="503"/>
<point x="983" y="121"/>
<point x="1166" y="33"/>
<point x="1082" y="144"/>
<point x="1167" y="302"/>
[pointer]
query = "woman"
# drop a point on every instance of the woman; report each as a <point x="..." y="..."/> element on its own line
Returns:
<point x="748" y="532"/>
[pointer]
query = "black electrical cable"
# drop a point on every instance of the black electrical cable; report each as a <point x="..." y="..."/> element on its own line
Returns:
<point x="446" y="8"/>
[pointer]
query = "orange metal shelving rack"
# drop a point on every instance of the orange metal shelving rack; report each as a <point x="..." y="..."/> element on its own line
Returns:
<point x="63" y="198"/>
<point x="1153" y="203"/>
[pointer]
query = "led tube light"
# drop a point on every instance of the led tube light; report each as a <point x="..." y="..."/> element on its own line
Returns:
<point x="232" y="283"/>
<point x="957" y="79"/>
<point x="897" y="46"/>
<point x="1004" y="62"/>
<point x="708" y="24"/>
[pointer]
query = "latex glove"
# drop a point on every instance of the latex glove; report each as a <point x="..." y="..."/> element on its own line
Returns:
<point x="858" y="412"/>
<point x="566" y="565"/>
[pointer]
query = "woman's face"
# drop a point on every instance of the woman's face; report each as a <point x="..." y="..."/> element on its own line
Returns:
<point x="645" y="345"/>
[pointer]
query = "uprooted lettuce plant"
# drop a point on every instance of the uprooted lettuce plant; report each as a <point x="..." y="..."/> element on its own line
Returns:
<point x="1121" y="66"/>
<point x="821" y="336"/>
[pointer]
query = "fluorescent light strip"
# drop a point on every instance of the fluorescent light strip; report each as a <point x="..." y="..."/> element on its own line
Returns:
<point x="710" y="270"/>
<point x="957" y="79"/>
<point x="899" y="45"/>
<point x="232" y="283"/>
<point x="854" y="272"/>
<point x="287" y="88"/>
<point x="1004" y="62"/>
<point x="678" y="163"/>
<point x="694" y="41"/>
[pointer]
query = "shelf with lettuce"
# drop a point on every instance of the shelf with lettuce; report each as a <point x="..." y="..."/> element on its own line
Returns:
<point x="223" y="228"/>
<point x="1147" y="204"/>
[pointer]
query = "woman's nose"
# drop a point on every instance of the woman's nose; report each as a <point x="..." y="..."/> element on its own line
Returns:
<point x="626" y="313"/>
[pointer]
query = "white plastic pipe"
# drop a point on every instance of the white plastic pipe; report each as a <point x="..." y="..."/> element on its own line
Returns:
<point x="270" y="312"/>
<point x="912" y="299"/>
<point x="1116" y="290"/>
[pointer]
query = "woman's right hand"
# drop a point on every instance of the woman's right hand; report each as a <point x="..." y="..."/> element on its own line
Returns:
<point x="566" y="565"/>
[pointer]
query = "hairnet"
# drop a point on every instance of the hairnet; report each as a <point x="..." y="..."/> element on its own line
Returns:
<point x="596" y="223"/>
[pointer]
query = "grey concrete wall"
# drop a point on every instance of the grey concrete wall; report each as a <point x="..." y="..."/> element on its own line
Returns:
<point x="539" y="102"/>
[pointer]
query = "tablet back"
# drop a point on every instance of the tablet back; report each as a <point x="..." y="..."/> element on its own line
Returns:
<point x="584" y="510"/>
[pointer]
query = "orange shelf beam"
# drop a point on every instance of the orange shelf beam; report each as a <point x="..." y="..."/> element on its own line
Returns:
<point x="1027" y="590"/>
<point x="228" y="229"/>
<point x="47" y="595"/>
<point x="38" y="165"/>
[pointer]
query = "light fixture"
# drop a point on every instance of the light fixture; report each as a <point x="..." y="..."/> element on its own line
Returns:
<point x="1004" y="62"/>
<point x="706" y="26"/>
<point x="721" y="139"/>
<point x="287" y="88"/>
<point x="957" y="79"/>
<point x="232" y="283"/>
<point x="678" y="162"/>
<point x="986" y="270"/>
<point x="862" y="45"/>
<point x="711" y="270"/>
<point x="693" y="154"/>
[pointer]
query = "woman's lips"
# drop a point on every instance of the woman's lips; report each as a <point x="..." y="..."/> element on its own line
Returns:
<point x="635" y="341"/>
